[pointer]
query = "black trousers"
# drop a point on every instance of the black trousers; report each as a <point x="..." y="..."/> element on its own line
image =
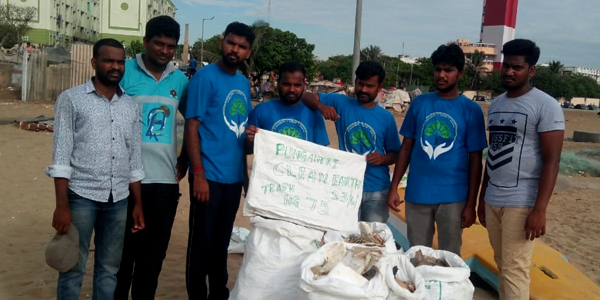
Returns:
<point x="144" y="251"/>
<point x="210" y="232"/>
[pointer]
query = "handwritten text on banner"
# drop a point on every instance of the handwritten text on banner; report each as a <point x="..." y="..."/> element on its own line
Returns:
<point x="304" y="183"/>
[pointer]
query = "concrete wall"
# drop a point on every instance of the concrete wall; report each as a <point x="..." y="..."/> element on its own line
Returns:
<point x="10" y="74"/>
<point x="586" y="101"/>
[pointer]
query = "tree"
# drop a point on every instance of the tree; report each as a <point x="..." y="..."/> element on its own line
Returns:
<point x="372" y="53"/>
<point x="555" y="67"/>
<point x="211" y="49"/>
<point x="338" y="66"/>
<point x="134" y="48"/>
<point x="14" y="22"/>
<point x="272" y="47"/>
<point x="475" y="67"/>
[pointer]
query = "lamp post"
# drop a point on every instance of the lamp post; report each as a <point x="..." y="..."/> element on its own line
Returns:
<point x="357" y="26"/>
<point x="202" y="44"/>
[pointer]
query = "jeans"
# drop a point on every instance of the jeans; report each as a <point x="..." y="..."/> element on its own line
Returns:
<point x="144" y="251"/>
<point x="210" y="228"/>
<point x="420" y="227"/>
<point x="373" y="207"/>
<point x="107" y="220"/>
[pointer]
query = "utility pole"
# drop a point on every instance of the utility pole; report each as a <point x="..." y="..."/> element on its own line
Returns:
<point x="202" y="45"/>
<point x="356" y="55"/>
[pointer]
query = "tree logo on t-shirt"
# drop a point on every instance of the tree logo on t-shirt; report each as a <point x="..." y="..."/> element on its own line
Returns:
<point x="438" y="134"/>
<point x="360" y="138"/>
<point x="235" y="112"/>
<point x="291" y="127"/>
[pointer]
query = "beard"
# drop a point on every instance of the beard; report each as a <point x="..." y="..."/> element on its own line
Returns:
<point x="513" y="86"/>
<point x="445" y="90"/>
<point x="231" y="63"/>
<point x="284" y="98"/>
<point x="105" y="80"/>
<point x="368" y="99"/>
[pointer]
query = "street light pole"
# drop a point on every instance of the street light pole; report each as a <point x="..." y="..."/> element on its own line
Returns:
<point x="202" y="44"/>
<point x="357" y="23"/>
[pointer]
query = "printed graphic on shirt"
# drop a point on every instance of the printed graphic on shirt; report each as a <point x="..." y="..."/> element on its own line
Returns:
<point x="291" y="127"/>
<point x="505" y="149"/>
<point x="438" y="134"/>
<point x="360" y="138"/>
<point x="157" y="123"/>
<point x="235" y="112"/>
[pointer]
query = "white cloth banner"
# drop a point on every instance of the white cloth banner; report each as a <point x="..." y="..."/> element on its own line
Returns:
<point x="304" y="183"/>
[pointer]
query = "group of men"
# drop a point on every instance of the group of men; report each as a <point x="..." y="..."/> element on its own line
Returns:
<point x="116" y="168"/>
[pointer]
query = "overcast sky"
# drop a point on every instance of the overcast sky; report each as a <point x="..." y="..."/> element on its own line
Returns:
<point x="565" y="30"/>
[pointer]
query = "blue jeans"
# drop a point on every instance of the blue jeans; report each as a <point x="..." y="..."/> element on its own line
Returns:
<point x="107" y="220"/>
<point x="373" y="207"/>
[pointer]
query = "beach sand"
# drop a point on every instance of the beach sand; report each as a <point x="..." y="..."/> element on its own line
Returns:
<point x="27" y="203"/>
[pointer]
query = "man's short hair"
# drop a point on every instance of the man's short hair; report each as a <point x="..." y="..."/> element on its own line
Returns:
<point x="291" y="67"/>
<point x="368" y="69"/>
<point x="106" y="42"/>
<point x="522" y="47"/>
<point x="162" y="26"/>
<point x="451" y="54"/>
<point x="240" y="29"/>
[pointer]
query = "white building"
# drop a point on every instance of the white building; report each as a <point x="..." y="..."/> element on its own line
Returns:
<point x="67" y="21"/>
<point x="592" y="73"/>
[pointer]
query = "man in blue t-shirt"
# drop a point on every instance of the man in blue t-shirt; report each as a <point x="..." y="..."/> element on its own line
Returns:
<point x="192" y="67"/>
<point x="288" y="115"/>
<point x="366" y="129"/>
<point x="160" y="91"/>
<point x="216" y="118"/>
<point x="444" y="136"/>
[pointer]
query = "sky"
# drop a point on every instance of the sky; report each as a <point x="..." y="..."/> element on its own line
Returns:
<point x="565" y="30"/>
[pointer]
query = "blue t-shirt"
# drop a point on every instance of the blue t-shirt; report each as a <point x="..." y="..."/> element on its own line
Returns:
<point x="159" y="101"/>
<point x="221" y="102"/>
<point x="297" y="121"/>
<point x="363" y="131"/>
<point x="445" y="131"/>
<point x="193" y="64"/>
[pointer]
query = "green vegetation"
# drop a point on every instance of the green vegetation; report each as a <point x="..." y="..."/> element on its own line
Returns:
<point x="14" y="23"/>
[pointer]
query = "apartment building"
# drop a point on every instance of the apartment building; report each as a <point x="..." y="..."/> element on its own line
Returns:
<point x="66" y="21"/>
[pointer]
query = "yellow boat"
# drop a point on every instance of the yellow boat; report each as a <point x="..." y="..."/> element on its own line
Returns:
<point x="552" y="276"/>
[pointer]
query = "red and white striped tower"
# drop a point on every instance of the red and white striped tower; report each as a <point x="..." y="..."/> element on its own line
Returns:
<point x="498" y="25"/>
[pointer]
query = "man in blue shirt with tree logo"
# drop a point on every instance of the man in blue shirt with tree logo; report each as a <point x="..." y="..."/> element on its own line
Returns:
<point x="366" y="129"/>
<point x="216" y="118"/>
<point x="288" y="115"/>
<point x="444" y="136"/>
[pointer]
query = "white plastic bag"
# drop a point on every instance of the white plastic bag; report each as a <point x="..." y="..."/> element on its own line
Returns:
<point x="405" y="272"/>
<point x="340" y="286"/>
<point x="380" y="228"/>
<point x="446" y="283"/>
<point x="239" y="239"/>
<point x="271" y="266"/>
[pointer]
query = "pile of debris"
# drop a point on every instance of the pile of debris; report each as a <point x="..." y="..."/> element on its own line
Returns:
<point x="40" y="123"/>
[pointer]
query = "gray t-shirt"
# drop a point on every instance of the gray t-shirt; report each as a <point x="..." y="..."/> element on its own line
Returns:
<point x="514" y="160"/>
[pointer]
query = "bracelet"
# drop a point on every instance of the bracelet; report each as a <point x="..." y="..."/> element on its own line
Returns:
<point x="197" y="170"/>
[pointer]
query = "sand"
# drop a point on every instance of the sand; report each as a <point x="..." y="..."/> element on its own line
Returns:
<point x="27" y="204"/>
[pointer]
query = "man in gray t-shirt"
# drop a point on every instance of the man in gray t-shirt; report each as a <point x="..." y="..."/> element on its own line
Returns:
<point x="526" y="130"/>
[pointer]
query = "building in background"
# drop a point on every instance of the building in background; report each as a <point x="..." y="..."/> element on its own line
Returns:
<point x="592" y="73"/>
<point x="64" y="22"/>
<point x="488" y="50"/>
